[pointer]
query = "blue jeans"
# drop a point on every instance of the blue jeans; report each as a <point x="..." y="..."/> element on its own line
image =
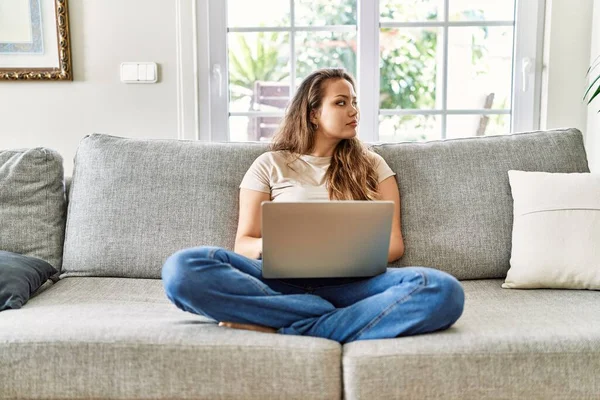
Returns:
<point x="226" y="286"/>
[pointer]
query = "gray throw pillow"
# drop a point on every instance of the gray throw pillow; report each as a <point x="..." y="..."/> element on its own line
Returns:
<point x="32" y="203"/>
<point x="20" y="277"/>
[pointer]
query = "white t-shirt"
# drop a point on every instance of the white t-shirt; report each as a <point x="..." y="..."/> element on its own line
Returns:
<point x="305" y="182"/>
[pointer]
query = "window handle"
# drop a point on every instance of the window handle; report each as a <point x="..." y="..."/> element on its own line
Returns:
<point x="526" y="68"/>
<point x="219" y="77"/>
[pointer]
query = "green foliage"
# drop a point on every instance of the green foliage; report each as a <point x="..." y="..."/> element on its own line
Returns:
<point x="328" y="12"/>
<point x="264" y="63"/>
<point x="594" y="92"/>
<point x="477" y="40"/>
<point x="407" y="65"/>
<point x="324" y="50"/>
<point x="407" y="74"/>
<point x="327" y="49"/>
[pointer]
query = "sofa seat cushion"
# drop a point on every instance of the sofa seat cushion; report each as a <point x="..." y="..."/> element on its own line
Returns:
<point x="509" y="343"/>
<point x="122" y="338"/>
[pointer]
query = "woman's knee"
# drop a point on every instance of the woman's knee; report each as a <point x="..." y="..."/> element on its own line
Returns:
<point x="450" y="301"/>
<point x="176" y="270"/>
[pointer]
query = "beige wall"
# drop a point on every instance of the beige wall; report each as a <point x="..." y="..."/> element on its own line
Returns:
<point x="567" y="43"/>
<point x="105" y="33"/>
<point x="593" y="122"/>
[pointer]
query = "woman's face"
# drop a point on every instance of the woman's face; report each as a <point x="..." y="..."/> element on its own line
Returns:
<point x="338" y="116"/>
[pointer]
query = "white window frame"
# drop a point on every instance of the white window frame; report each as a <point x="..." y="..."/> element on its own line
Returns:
<point x="213" y="97"/>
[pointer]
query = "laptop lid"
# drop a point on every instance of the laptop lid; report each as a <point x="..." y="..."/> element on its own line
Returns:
<point x="325" y="239"/>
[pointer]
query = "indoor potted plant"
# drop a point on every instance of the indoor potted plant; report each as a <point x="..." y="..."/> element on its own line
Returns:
<point x="595" y="78"/>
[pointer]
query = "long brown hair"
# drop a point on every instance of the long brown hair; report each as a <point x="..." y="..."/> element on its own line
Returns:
<point x="351" y="174"/>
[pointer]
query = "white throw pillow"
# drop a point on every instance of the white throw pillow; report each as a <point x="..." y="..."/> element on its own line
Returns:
<point x="556" y="231"/>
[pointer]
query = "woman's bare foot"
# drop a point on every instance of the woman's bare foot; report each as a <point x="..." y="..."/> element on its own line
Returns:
<point x="258" y="328"/>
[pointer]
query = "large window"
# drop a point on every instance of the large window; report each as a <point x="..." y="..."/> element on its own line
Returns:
<point x="425" y="69"/>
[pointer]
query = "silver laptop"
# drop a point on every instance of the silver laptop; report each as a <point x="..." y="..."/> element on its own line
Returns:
<point x="325" y="239"/>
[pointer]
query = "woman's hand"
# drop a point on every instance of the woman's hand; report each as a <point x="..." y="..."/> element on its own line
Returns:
<point x="259" y="248"/>
<point x="248" y="246"/>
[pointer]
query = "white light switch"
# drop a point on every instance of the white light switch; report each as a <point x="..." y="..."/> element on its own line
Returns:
<point x="139" y="72"/>
<point x="151" y="73"/>
<point x="129" y="72"/>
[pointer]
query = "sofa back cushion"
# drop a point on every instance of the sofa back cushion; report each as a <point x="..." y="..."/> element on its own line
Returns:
<point x="457" y="207"/>
<point x="32" y="203"/>
<point x="134" y="202"/>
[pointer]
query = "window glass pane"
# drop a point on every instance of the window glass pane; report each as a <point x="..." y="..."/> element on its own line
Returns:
<point x="481" y="10"/>
<point x="409" y="63"/>
<point x="409" y="128"/>
<point x="477" y="125"/>
<point x="411" y="10"/>
<point x="324" y="50"/>
<point x="324" y="12"/>
<point x="259" y="71"/>
<point x="247" y="13"/>
<point x="479" y="67"/>
<point x="255" y="129"/>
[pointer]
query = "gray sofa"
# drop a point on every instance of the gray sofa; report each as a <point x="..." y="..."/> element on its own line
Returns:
<point x="104" y="329"/>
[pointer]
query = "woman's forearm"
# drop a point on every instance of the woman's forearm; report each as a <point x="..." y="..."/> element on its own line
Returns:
<point x="248" y="246"/>
<point x="396" y="250"/>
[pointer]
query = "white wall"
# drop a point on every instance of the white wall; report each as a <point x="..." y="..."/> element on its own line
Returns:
<point x="593" y="123"/>
<point x="105" y="33"/>
<point x="567" y="41"/>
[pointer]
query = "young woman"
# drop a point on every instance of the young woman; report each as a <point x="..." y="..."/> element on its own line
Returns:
<point x="314" y="156"/>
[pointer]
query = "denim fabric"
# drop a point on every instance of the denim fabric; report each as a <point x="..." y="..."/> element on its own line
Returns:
<point x="226" y="286"/>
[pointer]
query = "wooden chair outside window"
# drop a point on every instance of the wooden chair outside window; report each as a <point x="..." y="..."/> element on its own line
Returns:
<point x="273" y="94"/>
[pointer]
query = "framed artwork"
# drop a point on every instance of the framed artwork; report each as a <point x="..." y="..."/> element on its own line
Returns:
<point x="34" y="40"/>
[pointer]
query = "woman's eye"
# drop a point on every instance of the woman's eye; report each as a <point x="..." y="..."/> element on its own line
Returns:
<point x="341" y="103"/>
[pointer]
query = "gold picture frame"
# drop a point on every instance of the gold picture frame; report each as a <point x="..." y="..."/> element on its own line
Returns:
<point x="35" y="43"/>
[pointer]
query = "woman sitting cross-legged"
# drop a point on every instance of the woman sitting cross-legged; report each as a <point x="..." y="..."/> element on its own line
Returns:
<point x="315" y="155"/>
